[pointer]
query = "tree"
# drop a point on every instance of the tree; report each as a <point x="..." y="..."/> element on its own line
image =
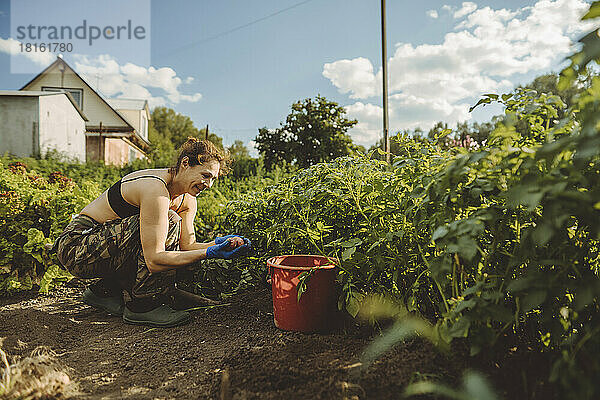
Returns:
<point x="238" y="150"/>
<point x="212" y="137"/>
<point x="480" y="132"/>
<point x="243" y="164"/>
<point x="274" y="146"/>
<point x="437" y="130"/>
<point x="174" y="126"/>
<point x="162" y="151"/>
<point x="548" y="83"/>
<point x="314" y="131"/>
<point x="168" y="130"/>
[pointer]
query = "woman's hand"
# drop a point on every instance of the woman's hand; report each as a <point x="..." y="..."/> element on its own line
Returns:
<point x="227" y="249"/>
<point x="235" y="240"/>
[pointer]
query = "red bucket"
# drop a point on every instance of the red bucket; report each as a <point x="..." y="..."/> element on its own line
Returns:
<point x="317" y="308"/>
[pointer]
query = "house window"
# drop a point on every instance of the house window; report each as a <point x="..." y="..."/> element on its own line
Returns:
<point x="131" y="155"/>
<point x="76" y="93"/>
<point x="144" y="127"/>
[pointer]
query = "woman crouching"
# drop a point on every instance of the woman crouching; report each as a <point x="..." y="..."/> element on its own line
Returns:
<point x="137" y="233"/>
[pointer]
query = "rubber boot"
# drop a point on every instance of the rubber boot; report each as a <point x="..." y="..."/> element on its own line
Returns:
<point x="111" y="304"/>
<point x="162" y="316"/>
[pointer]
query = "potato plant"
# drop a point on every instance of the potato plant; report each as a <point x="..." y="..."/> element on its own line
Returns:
<point x="499" y="246"/>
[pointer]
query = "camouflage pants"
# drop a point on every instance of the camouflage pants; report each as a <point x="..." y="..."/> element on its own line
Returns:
<point x="113" y="251"/>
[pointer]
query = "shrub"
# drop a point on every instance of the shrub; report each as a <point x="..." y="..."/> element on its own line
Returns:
<point x="33" y="212"/>
<point x="499" y="246"/>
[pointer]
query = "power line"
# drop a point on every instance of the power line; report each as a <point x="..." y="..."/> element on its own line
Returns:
<point x="237" y="28"/>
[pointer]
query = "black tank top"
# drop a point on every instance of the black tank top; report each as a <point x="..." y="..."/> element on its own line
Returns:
<point x="124" y="209"/>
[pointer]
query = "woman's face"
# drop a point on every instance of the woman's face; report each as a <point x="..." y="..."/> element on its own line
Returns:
<point x="200" y="177"/>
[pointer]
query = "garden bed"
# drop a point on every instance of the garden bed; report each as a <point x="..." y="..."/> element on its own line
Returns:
<point x="112" y="360"/>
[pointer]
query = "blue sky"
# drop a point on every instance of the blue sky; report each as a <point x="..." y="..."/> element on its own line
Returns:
<point x="209" y="61"/>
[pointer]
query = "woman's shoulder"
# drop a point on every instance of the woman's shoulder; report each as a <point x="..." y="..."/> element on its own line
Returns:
<point x="150" y="172"/>
<point x="146" y="181"/>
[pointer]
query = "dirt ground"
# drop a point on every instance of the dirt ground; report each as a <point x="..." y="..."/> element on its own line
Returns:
<point x="232" y="351"/>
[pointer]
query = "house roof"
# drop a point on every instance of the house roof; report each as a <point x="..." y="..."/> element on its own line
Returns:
<point x="127" y="104"/>
<point x="36" y="93"/>
<point x="59" y="60"/>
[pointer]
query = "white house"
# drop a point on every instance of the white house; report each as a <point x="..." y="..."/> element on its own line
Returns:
<point x="34" y="122"/>
<point x="113" y="135"/>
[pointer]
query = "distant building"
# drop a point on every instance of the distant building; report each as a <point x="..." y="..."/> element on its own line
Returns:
<point x="116" y="130"/>
<point x="34" y="122"/>
<point x="137" y="113"/>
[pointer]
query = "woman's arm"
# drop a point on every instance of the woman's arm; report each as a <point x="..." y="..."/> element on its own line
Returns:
<point x="154" y="225"/>
<point x="187" y="240"/>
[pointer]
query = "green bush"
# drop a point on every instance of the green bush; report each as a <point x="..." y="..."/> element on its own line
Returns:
<point x="499" y="246"/>
<point x="33" y="212"/>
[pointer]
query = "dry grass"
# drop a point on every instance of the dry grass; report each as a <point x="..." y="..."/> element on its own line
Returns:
<point x="39" y="376"/>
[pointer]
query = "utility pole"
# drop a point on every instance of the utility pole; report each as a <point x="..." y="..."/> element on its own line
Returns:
<point x="100" y="147"/>
<point x="386" y="136"/>
<point x="206" y="137"/>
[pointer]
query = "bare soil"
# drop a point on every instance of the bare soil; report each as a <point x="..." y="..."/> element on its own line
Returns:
<point x="228" y="352"/>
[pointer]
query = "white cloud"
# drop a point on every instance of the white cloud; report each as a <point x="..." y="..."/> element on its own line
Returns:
<point x="115" y="80"/>
<point x="355" y="76"/>
<point x="486" y="51"/>
<point x="133" y="81"/>
<point x="369" y="127"/>
<point x="13" y="48"/>
<point x="447" y="8"/>
<point x="432" y="14"/>
<point x="252" y="150"/>
<point x="466" y="9"/>
<point x="405" y="112"/>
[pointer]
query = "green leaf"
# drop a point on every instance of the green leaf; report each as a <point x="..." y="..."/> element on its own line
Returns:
<point x="499" y="313"/>
<point x="347" y="253"/>
<point x="351" y="243"/>
<point x="353" y="303"/>
<point x="35" y="241"/>
<point x="526" y="195"/>
<point x="429" y="387"/>
<point x="533" y="299"/>
<point x="483" y="101"/>
<point x="465" y="304"/>
<point x="542" y="234"/>
<point x="53" y="276"/>
<point x="520" y="284"/>
<point x="302" y="282"/>
<point x="460" y="328"/>
<point x="400" y="331"/>
<point x="440" y="232"/>
<point x="467" y="247"/>
<point x="477" y="388"/>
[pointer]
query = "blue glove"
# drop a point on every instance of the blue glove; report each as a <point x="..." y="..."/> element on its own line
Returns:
<point x="221" y="239"/>
<point x="222" y="250"/>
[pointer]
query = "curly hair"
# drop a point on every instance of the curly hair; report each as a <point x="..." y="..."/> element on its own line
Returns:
<point x="200" y="151"/>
